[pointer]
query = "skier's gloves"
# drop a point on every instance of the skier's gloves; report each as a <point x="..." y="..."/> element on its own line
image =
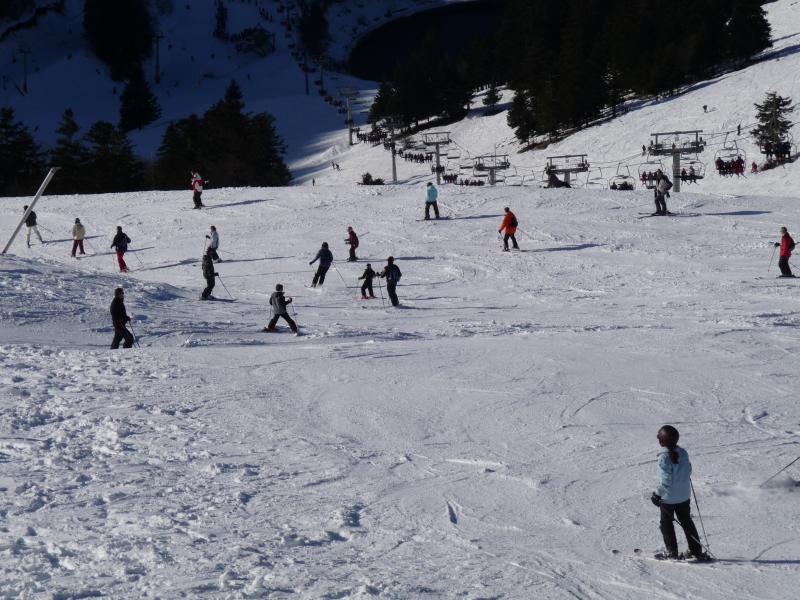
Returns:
<point x="216" y="274"/>
<point x="208" y="237"/>
<point x="777" y="244"/>
<point x="655" y="499"/>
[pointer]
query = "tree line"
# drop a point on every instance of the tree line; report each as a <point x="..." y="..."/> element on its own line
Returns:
<point x="227" y="145"/>
<point x="572" y="62"/>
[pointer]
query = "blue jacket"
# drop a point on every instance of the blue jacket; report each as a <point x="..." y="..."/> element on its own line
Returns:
<point x="432" y="195"/>
<point x="674" y="485"/>
<point x="324" y="256"/>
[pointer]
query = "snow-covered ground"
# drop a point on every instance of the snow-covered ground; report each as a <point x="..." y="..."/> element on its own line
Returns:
<point x="492" y="438"/>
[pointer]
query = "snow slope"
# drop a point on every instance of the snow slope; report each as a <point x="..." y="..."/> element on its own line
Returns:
<point x="494" y="437"/>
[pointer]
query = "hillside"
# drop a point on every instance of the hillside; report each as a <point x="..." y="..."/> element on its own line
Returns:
<point x="494" y="437"/>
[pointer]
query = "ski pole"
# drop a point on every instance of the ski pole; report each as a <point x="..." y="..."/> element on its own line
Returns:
<point x="779" y="472"/>
<point x="133" y="333"/>
<point x="344" y="283"/>
<point x="136" y="254"/>
<point x="225" y="286"/>
<point x="770" y="259"/>
<point x="380" y="289"/>
<point x="699" y="516"/>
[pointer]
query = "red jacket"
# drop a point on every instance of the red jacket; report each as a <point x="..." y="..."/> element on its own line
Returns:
<point x="197" y="183"/>
<point x="352" y="239"/>
<point x="786" y="246"/>
<point x="507" y="220"/>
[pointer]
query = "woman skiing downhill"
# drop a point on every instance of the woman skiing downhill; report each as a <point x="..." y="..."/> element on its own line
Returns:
<point x="673" y="495"/>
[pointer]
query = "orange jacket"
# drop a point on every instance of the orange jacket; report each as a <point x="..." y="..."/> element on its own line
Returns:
<point x="507" y="220"/>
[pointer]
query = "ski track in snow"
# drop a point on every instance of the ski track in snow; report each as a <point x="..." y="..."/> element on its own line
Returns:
<point x="493" y="437"/>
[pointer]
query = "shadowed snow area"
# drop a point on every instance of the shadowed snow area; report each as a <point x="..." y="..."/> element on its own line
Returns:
<point x="495" y="437"/>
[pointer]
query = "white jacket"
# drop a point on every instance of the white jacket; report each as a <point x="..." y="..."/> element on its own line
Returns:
<point x="214" y="243"/>
<point x="78" y="231"/>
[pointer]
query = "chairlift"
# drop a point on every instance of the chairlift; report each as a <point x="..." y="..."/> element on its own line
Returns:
<point x="688" y="166"/>
<point x="646" y="168"/>
<point x="623" y="180"/>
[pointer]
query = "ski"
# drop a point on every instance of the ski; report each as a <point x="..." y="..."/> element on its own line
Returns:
<point x="663" y="557"/>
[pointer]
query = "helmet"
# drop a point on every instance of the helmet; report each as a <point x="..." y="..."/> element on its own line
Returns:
<point x="668" y="435"/>
<point x="390" y="259"/>
<point x="279" y="287"/>
<point x="324" y="244"/>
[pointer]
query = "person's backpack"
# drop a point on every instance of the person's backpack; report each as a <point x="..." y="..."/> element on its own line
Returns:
<point x="513" y="222"/>
<point x="791" y="245"/>
<point x="669" y="184"/>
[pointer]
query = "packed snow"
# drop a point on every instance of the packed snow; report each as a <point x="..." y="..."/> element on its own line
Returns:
<point x="492" y="437"/>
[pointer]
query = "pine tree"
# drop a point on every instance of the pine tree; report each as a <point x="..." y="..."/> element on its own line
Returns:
<point x="138" y="106"/>
<point x="120" y="34"/>
<point x="221" y="21"/>
<point x="178" y="153"/>
<point x="521" y="117"/>
<point x="492" y="96"/>
<point x="111" y="165"/>
<point x="773" y="122"/>
<point x="70" y="155"/>
<point x="21" y="165"/>
<point x="748" y="29"/>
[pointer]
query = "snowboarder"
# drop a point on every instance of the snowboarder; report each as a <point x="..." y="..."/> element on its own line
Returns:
<point x="213" y="244"/>
<point x="431" y="195"/>
<point x="78" y="235"/>
<point x="510" y="225"/>
<point x="662" y="188"/>
<point x="786" y="245"/>
<point x="325" y="258"/>
<point x="352" y="241"/>
<point x="368" y="276"/>
<point x="30" y="223"/>
<point x="197" y="188"/>
<point x="278" y="303"/>
<point x="209" y="274"/>
<point x="119" y="317"/>
<point x="120" y="244"/>
<point x="673" y="495"/>
<point x="392" y="273"/>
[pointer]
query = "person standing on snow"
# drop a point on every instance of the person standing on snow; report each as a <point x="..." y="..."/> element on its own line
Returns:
<point x="213" y="244"/>
<point x="209" y="274"/>
<point x="78" y="235"/>
<point x="279" y="303"/>
<point x="510" y="225"/>
<point x="197" y="189"/>
<point x="661" y="191"/>
<point x="30" y="223"/>
<point x="786" y="245"/>
<point x="368" y="276"/>
<point x="352" y="241"/>
<point x="673" y="495"/>
<point x="431" y="196"/>
<point x="120" y="244"/>
<point x="119" y="317"/>
<point x="325" y="258"/>
<point x="392" y="273"/>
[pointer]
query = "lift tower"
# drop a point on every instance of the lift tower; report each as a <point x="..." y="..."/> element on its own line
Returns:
<point x="675" y="144"/>
<point x="492" y="163"/>
<point x="567" y="164"/>
<point x="437" y="139"/>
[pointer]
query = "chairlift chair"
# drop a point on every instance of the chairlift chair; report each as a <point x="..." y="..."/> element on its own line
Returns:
<point x="650" y="166"/>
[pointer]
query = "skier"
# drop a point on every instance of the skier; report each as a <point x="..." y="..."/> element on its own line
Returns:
<point x="197" y="188"/>
<point x="119" y="316"/>
<point x="278" y="303"/>
<point x="510" y="225"/>
<point x="352" y="241"/>
<point x="430" y="201"/>
<point x="120" y="244"/>
<point x="786" y="245"/>
<point x="368" y="275"/>
<point x="30" y="223"/>
<point x="392" y="273"/>
<point x="662" y="188"/>
<point x="325" y="258"/>
<point x="673" y="495"/>
<point x="78" y="235"/>
<point x="213" y="244"/>
<point x="209" y="274"/>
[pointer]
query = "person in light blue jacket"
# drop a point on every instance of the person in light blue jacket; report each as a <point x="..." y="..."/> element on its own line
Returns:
<point x="673" y="494"/>
<point x="430" y="201"/>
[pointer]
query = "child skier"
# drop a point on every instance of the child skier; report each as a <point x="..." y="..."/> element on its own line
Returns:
<point x="352" y="241"/>
<point x="368" y="276"/>
<point x="673" y="495"/>
<point x="209" y="274"/>
<point x="279" y="303"/>
<point x="197" y="189"/>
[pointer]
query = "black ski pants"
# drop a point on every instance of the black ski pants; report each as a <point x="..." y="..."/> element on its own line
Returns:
<point x="121" y="333"/>
<point x="390" y="288"/>
<point x="210" y="281"/>
<point x="661" y="204"/>
<point x="510" y="236"/>
<point x="197" y="199"/>
<point x="319" y="276"/>
<point x="274" y="320"/>
<point x="212" y="252"/>
<point x="428" y="206"/>
<point x="682" y="511"/>
<point x="352" y="253"/>
<point x="783" y="264"/>
<point x="367" y="287"/>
